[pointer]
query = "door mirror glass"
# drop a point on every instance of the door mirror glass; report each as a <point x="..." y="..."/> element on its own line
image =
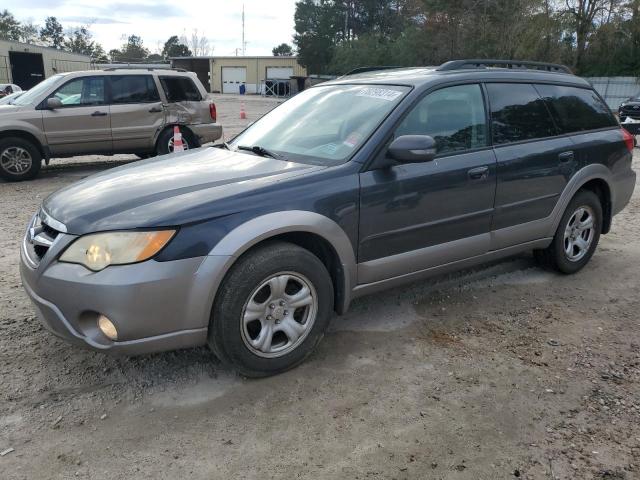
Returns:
<point x="53" y="103"/>
<point x="413" y="149"/>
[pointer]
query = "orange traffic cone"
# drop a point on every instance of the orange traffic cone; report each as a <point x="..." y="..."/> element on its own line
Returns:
<point x="178" y="146"/>
<point x="243" y="114"/>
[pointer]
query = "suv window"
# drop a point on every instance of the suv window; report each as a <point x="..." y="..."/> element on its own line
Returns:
<point x="576" y="109"/>
<point x="133" y="89"/>
<point x="454" y="116"/>
<point x="180" y="89"/>
<point x="518" y="113"/>
<point x="82" y="91"/>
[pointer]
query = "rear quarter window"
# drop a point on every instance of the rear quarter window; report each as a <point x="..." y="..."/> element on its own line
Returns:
<point x="518" y="113"/>
<point x="180" y="89"/>
<point x="576" y="109"/>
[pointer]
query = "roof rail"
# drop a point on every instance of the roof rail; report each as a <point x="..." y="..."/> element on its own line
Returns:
<point x="150" y="69"/>
<point x="368" y="69"/>
<point x="513" y="64"/>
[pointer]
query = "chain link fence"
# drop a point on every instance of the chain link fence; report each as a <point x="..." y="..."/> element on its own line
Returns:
<point x="615" y="90"/>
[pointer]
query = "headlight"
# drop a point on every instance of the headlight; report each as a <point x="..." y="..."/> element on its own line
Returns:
<point x="98" y="251"/>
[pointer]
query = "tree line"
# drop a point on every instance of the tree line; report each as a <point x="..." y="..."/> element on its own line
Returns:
<point x="594" y="37"/>
<point x="79" y="39"/>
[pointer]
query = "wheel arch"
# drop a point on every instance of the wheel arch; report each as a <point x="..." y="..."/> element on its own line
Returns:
<point x="312" y="231"/>
<point x="25" y="135"/>
<point x="596" y="178"/>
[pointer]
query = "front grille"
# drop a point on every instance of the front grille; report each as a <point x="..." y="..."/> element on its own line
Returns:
<point x="39" y="239"/>
<point x="632" y="111"/>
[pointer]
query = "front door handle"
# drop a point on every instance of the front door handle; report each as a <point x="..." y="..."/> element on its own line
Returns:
<point x="155" y="110"/>
<point x="99" y="114"/>
<point x="478" y="173"/>
<point x="566" y="156"/>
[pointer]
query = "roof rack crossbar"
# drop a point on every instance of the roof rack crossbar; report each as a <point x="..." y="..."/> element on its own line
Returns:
<point x="150" y="69"/>
<point x="513" y="64"/>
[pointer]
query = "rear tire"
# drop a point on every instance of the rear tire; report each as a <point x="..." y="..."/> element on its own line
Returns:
<point x="19" y="159"/>
<point x="577" y="236"/>
<point x="164" y="144"/>
<point x="271" y="310"/>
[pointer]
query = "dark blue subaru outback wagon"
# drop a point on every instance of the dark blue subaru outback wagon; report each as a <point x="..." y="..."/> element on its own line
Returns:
<point x="350" y="187"/>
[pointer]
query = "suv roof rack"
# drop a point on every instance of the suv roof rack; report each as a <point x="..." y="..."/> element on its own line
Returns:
<point x="369" y="69"/>
<point x="150" y="69"/>
<point x="513" y="64"/>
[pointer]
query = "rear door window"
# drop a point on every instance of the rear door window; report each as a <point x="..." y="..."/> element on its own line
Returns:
<point x="576" y="109"/>
<point x="518" y="113"/>
<point x="454" y="116"/>
<point x="133" y="89"/>
<point x="180" y="89"/>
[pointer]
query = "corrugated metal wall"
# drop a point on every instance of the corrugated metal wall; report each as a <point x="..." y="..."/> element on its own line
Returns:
<point x="615" y="90"/>
<point x="256" y="68"/>
<point x="54" y="61"/>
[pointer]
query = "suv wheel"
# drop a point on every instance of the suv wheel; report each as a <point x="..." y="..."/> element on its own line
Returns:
<point x="165" y="141"/>
<point x="577" y="236"/>
<point x="19" y="159"/>
<point x="272" y="310"/>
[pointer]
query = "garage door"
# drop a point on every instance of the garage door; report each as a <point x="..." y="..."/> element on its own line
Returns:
<point x="280" y="73"/>
<point x="232" y="78"/>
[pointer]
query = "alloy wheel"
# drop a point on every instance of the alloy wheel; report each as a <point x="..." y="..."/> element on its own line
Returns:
<point x="279" y="314"/>
<point x="15" y="160"/>
<point x="579" y="234"/>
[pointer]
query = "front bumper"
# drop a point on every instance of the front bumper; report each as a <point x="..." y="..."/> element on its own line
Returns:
<point x="155" y="306"/>
<point x="206" y="132"/>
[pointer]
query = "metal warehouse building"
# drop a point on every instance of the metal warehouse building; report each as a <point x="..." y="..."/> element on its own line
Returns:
<point x="226" y="74"/>
<point x="26" y="65"/>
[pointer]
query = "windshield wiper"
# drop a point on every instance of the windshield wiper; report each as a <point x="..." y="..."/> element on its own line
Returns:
<point x="261" y="151"/>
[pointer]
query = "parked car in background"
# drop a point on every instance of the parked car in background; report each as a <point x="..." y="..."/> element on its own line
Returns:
<point x="352" y="186"/>
<point x="8" y="89"/>
<point x="11" y="97"/>
<point x="630" y="108"/>
<point x="103" y="112"/>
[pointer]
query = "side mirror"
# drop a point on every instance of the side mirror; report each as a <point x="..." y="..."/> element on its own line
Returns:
<point x="53" y="103"/>
<point x="413" y="149"/>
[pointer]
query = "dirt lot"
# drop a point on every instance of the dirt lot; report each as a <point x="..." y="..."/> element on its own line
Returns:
<point x="501" y="372"/>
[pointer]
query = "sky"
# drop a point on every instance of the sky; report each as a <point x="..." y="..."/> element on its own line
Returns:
<point x="267" y="22"/>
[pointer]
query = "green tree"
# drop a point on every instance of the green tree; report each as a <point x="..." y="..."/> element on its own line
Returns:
<point x="80" y="40"/>
<point x="131" y="51"/>
<point x="9" y="26"/>
<point x="52" y="33"/>
<point x="174" y="47"/>
<point x="29" y="32"/>
<point x="282" y="50"/>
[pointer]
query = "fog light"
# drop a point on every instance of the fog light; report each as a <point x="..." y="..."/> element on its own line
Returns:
<point x="108" y="328"/>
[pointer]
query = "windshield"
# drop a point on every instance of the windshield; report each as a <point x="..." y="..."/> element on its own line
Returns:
<point x="322" y="125"/>
<point x="34" y="93"/>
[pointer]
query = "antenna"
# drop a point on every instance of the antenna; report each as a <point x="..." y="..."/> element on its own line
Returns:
<point x="244" y="45"/>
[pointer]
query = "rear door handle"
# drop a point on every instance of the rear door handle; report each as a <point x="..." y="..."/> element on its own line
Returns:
<point x="478" y="173"/>
<point x="566" y="156"/>
<point x="99" y="114"/>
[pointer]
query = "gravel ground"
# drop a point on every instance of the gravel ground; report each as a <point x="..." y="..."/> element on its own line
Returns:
<point x="505" y="371"/>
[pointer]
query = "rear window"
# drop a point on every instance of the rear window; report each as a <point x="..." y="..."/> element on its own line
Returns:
<point x="180" y="89"/>
<point x="576" y="109"/>
<point x="133" y="89"/>
<point x="518" y="113"/>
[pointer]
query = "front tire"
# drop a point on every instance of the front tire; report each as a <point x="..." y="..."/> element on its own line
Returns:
<point x="577" y="236"/>
<point x="272" y="309"/>
<point x="19" y="159"/>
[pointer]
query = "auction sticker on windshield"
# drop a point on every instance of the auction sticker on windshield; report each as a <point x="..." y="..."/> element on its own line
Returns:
<point x="381" y="93"/>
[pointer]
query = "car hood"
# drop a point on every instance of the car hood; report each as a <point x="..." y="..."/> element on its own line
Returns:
<point x="171" y="190"/>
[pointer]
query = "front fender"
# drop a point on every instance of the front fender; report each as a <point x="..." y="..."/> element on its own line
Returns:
<point x="261" y="228"/>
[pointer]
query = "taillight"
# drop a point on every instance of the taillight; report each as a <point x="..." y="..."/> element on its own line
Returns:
<point x="212" y="111"/>
<point x="629" y="139"/>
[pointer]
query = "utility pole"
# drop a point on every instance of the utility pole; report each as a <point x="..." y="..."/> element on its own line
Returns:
<point x="244" y="45"/>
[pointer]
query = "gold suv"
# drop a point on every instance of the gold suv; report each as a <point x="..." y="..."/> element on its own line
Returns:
<point x="103" y="112"/>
